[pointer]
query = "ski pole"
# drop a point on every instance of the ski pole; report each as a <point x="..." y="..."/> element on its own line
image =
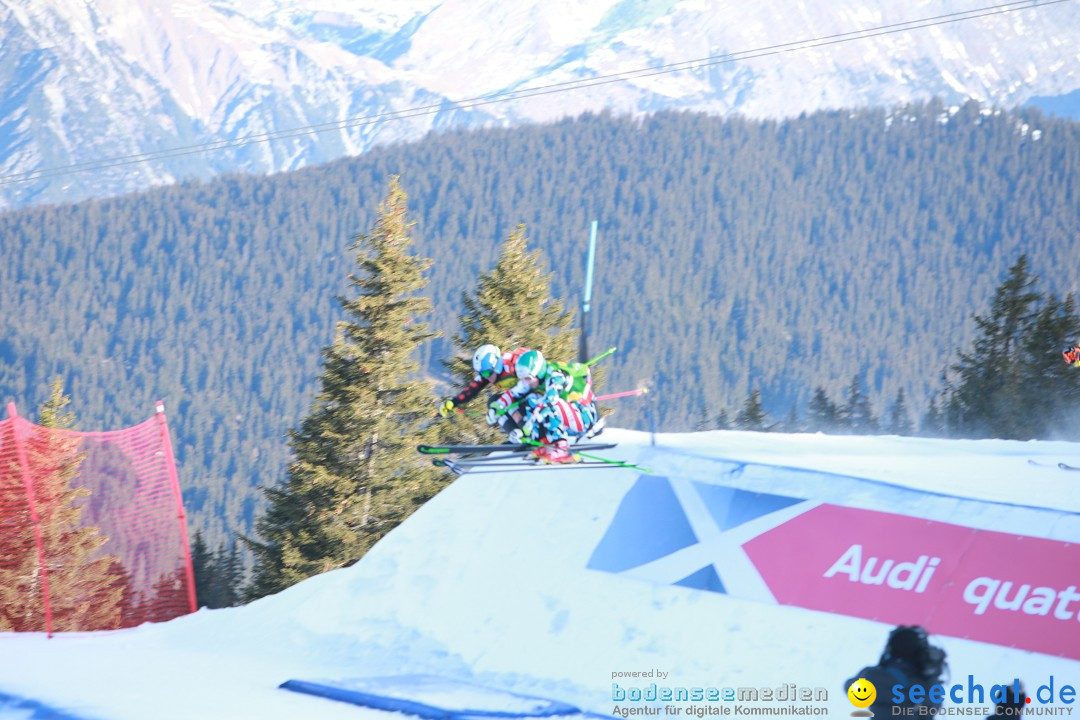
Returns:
<point x="463" y="411"/>
<point x="502" y="411"/>
<point x="627" y="393"/>
<point x="602" y="355"/>
<point x="609" y="396"/>
<point x="620" y="463"/>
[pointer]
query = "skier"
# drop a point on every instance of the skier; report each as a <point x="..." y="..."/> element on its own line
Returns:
<point x="493" y="368"/>
<point x="1072" y="355"/>
<point x="559" y="404"/>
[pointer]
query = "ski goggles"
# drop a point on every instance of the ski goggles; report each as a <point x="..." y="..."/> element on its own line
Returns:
<point x="488" y="368"/>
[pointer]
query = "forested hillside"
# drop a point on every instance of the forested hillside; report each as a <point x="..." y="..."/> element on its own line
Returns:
<point x="733" y="255"/>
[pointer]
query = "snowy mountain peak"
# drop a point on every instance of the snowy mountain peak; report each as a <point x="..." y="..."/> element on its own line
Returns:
<point x="93" y="82"/>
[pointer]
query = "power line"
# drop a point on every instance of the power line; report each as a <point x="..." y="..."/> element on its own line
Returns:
<point x="510" y="95"/>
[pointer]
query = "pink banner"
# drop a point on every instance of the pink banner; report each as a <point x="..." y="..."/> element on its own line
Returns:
<point x="962" y="582"/>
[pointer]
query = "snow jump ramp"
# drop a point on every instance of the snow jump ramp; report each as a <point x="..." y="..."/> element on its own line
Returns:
<point x="709" y="570"/>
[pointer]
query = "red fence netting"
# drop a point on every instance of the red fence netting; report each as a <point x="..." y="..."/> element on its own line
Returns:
<point x="92" y="528"/>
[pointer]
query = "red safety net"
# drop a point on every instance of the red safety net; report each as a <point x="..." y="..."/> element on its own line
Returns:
<point x="92" y="528"/>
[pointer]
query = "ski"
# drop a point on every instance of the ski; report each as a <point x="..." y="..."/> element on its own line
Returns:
<point x="474" y="467"/>
<point x="480" y="458"/>
<point x="465" y="449"/>
<point x="505" y="447"/>
<point x="461" y="458"/>
<point x="1065" y="466"/>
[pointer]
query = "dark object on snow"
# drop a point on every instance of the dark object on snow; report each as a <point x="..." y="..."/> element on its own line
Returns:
<point x="1012" y="707"/>
<point x="908" y="659"/>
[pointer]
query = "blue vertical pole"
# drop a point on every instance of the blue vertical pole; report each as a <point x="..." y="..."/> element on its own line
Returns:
<point x="583" y="351"/>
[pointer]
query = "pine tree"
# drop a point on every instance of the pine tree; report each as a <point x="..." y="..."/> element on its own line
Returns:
<point x="355" y="473"/>
<point x="217" y="573"/>
<point x="952" y="415"/>
<point x="823" y="413"/>
<point x="722" y="422"/>
<point x="857" y="414"/>
<point x="202" y="567"/>
<point x="943" y="415"/>
<point x="1051" y="389"/>
<point x="87" y="591"/>
<point x="791" y="423"/>
<point x="988" y="398"/>
<point x="752" y="415"/>
<point x="899" y="417"/>
<point x="168" y="594"/>
<point x="228" y="576"/>
<point x="511" y="307"/>
<point x="702" y="423"/>
<point x="933" y="422"/>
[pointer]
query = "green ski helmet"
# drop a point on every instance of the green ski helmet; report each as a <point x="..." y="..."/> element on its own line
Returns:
<point x="531" y="364"/>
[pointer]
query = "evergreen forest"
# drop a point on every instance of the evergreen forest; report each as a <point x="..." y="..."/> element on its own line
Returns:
<point x="828" y="267"/>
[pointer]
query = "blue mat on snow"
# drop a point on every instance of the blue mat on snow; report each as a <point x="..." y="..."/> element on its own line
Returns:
<point x="27" y="709"/>
<point x="434" y="698"/>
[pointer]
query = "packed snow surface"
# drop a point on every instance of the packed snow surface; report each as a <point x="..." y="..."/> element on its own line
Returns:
<point x="488" y="584"/>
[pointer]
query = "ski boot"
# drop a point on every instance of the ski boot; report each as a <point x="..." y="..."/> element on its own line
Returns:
<point x="556" y="453"/>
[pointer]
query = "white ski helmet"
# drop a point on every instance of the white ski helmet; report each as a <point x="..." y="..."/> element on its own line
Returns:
<point x="487" y="361"/>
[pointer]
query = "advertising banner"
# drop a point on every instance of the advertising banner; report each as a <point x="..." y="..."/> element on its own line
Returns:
<point x="1001" y="588"/>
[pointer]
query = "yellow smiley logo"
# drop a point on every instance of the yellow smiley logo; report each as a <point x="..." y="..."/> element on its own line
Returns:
<point x="862" y="693"/>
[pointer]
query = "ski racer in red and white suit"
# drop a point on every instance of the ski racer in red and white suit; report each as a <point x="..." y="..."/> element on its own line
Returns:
<point x="494" y="368"/>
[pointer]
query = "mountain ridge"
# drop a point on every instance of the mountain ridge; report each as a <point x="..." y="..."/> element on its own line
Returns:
<point x="113" y="80"/>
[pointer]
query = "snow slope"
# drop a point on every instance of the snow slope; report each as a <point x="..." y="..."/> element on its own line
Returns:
<point x="488" y="583"/>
